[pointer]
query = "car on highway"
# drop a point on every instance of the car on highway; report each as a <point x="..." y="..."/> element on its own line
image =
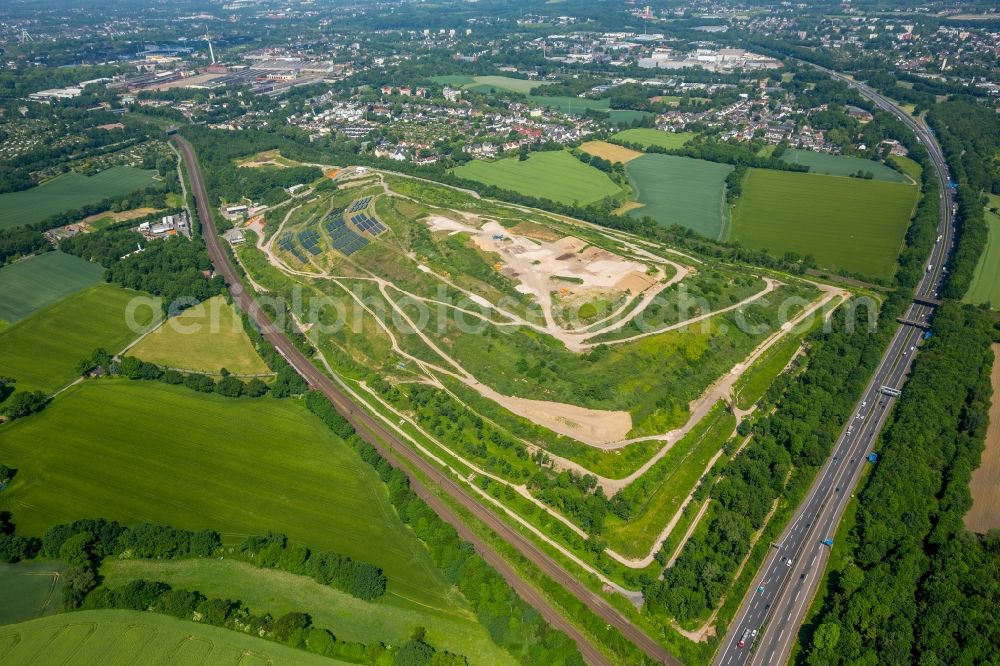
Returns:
<point x="743" y="639"/>
<point x="760" y="588"/>
<point x="788" y="562"/>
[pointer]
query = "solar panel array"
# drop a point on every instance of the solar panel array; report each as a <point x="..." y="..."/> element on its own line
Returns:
<point x="344" y="239"/>
<point x="360" y="204"/>
<point x="369" y="224"/>
<point x="310" y="241"/>
<point x="287" y="243"/>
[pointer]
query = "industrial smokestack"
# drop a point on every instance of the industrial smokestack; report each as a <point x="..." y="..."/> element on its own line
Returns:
<point x="211" y="53"/>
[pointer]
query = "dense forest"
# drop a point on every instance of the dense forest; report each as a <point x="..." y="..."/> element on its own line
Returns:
<point x="919" y="588"/>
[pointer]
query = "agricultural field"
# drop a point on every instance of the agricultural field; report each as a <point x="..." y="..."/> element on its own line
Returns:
<point x="554" y="175"/>
<point x="841" y="165"/>
<point x="33" y="283"/>
<point x="652" y="137"/>
<point x="41" y="351"/>
<point x="985" y="485"/>
<point x="609" y="151"/>
<point x="69" y="191"/>
<point x="278" y="592"/>
<point x="238" y="466"/>
<point x="680" y="190"/>
<point x="985" y="287"/>
<point x="204" y="338"/>
<point x="31" y="589"/>
<point x="135" y="637"/>
<point x="844" y="223"/>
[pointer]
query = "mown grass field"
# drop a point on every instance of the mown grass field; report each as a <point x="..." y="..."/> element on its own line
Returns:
<point x="577" y="105"/>
<point x="609" y="151"/>
<point x="674" y="477"/>
<point x="680" y="190"/>
<point x="146" y="451"/>
<point x="840" y="165"/>
<point x="653" y="137"/>
<point x="907" y="166"/>
<point x="69" y="191"/>
<point x="30" y="590"/>
<point x="30" y="284"/>
<point x="845" y="223"/>
<point x="554" y="175"/>
<point x="278" y="592"/>
<point x="985" y="287"/>
<point x="113" y="637"/>
<point x="205" y="338"/>
<point x="487" y="83"/>
<point x="41" y="351"/>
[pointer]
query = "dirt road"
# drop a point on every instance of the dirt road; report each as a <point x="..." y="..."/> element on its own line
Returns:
<point x="397" y="450"/>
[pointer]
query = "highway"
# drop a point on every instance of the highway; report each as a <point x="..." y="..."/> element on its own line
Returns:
<point x="775" y="606"/>
<point x="398" y="451"/>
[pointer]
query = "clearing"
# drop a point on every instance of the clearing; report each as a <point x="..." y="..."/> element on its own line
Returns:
<point x="42" y="351"/>
<point x="133" y="637"/>
<point x="33" y="283"/>
<point x="985" y="485"/>
<point x="68" y="191"/>
<point x="610" y="151"/>
<point x="652" y="137"/>
<point x="985" y="287"/>
<point x="844" y="223"/>
<point x="204" y="338"/>
<point x="680" y="190"/>
<point x="31" y="589"/>
<point x="841" y="165"/>
<point x="485" y="84"/>
<point x="554" y="175"/>
<point x="238" y="466"/>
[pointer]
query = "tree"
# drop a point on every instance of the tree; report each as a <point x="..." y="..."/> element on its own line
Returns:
<point x="24" y="403"/>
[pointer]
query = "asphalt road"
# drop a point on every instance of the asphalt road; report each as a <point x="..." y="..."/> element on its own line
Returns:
<point x="397" y="450"/>
<point x="780" y="596"/>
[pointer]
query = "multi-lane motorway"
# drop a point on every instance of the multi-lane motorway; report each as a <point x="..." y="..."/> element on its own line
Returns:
<point x="775" y="606"/>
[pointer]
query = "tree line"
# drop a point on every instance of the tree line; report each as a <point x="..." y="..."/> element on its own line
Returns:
<point x="917" y="587"/>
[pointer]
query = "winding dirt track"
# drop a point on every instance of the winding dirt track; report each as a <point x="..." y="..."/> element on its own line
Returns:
<point x="396" y="450"/>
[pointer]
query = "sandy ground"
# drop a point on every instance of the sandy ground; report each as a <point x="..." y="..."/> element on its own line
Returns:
<point x="189" y="82"/>
<point x="985" y="485"/>
<point x="119" y="217"/>
<point x="610" y="151"/>
<point x="627" y="206"/>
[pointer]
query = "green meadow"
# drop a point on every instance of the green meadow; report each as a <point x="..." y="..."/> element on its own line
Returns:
<point x="41" y="351"/>
<point x="33" y="283"/>
<point x="985" y="287"/>
<point x="841" y="165"/>
<point x="652" y="137"/>
<point x="554" y="175"/>
<point x="680" y="190"/>
<point x="31" y="589"/>
<point x="67" y="192"/>
<point x="577" y="105"/>
<point x="844" y="223"/>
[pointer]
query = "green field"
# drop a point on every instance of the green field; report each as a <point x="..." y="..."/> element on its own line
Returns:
<point x="908" y="166"/>
<point x="278" y="592"/>
<point x="67" y="192"/>
<point x="203" y="338"/>
<point x="488" y="83"/>
<point x="31" y="284"/>
<point x="577" y="105"/>
<point x="985" y="287"/>
<point x="41" y="351"/>
<point x="238" y="466"/>
<point x="653" y="137"/>
<point x="112" y="637"/>
<point x="680" y="190"/>
<point x="840" y="165"/>
<point x="554" y="175"/>
<point x="845" y="223"/>
<point x="30" y="590"/>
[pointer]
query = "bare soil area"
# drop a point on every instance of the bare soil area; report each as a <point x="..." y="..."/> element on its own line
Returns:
<point x="985" y="485"/>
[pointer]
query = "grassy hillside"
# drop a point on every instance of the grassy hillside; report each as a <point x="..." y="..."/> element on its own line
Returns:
<point x="554" y="175"/>
<point x="31" y="284"/>
<point x="41" y="351"/>
<point x="69" y="191"/>
<point x="845" y="223"/>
